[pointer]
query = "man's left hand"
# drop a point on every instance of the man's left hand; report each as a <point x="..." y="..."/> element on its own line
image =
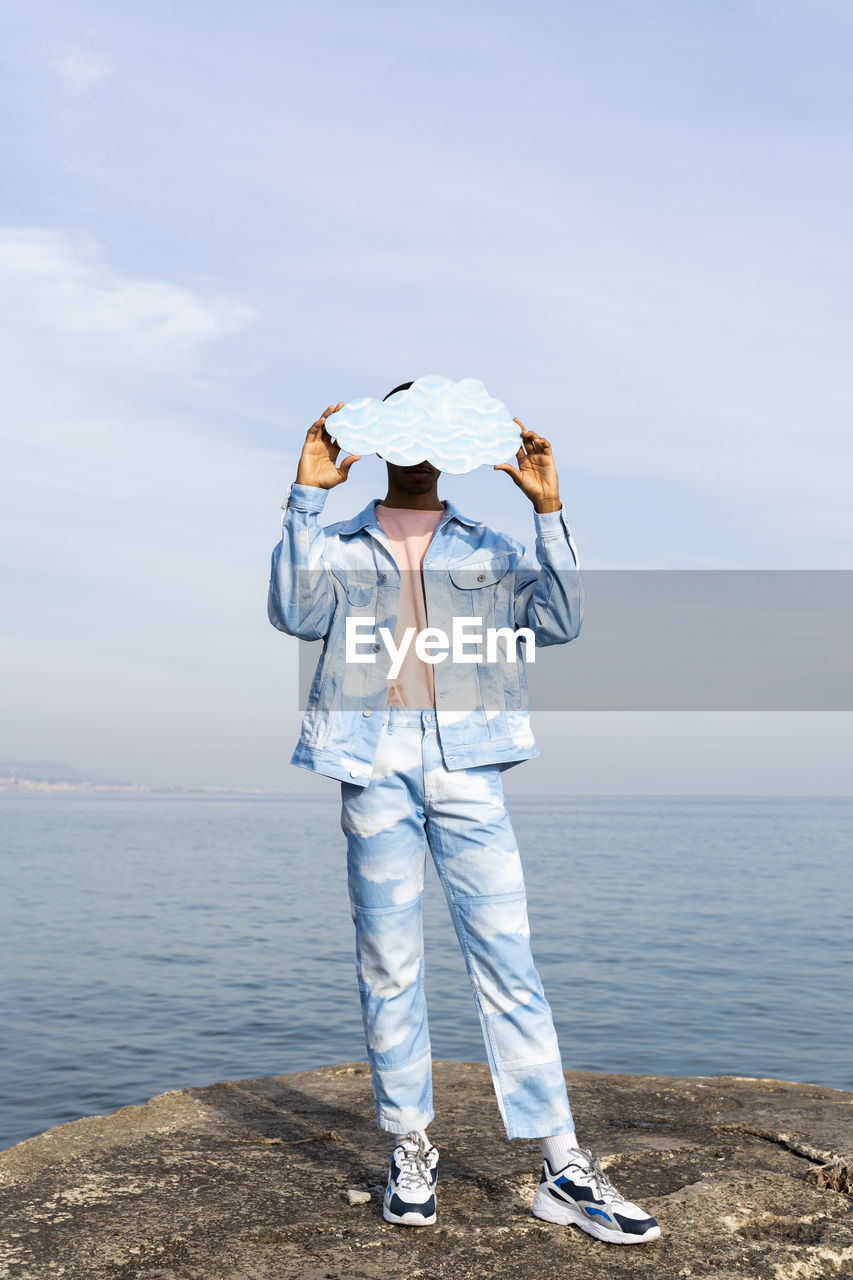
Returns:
<point x="536" y="473"/>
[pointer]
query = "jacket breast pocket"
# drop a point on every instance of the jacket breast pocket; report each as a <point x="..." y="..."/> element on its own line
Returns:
<point x="484" y="590"/>
<point x="355" y="612"/>
<point x="359" y="587"/>
<point x="479" y="578"/>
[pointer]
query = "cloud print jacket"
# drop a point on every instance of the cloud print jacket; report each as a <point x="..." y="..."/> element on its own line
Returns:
<point x="320" y="576"/>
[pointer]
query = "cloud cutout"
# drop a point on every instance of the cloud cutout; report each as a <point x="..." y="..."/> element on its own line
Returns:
<point x="456" y="426"/>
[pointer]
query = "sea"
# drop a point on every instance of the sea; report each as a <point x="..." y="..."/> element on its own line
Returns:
<point x="159" y="941"/>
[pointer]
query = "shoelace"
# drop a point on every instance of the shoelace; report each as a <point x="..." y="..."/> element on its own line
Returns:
<point x="413" y="1165"/>
<point x="603" y="1186"/>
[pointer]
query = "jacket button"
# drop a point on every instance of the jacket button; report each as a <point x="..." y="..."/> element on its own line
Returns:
<point x="383" y="577"/>
<point x="481" y="577"/>
<point x="367" y="713"/>
<point x="353" y="773"/>
<point x="376" y="647"/>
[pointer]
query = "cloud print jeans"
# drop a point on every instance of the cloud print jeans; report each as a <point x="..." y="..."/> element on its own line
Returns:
<point x="413" y="802"/>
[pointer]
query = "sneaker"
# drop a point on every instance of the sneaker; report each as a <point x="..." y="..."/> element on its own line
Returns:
<point x="410" y="1195"/>
<point x="582" y="1194"/>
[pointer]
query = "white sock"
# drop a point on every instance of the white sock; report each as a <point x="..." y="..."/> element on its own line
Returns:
<point x="558" y="1150"/>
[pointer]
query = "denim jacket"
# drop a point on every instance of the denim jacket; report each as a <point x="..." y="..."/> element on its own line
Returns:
<point x="322" y="575"/>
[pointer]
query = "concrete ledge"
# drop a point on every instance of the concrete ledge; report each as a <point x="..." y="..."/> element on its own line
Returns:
<point x="247" y="1180"/>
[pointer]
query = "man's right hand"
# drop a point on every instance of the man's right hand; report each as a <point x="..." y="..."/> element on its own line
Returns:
<point x="317" y="460"/>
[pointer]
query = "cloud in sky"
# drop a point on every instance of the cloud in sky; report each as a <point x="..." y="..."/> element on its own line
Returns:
<point x="79" y="68"/>
<point x="456" y="426"/>
<point x="62" y="285"/>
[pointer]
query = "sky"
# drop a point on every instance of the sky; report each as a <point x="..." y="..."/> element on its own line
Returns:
<point x="628" y="219"/>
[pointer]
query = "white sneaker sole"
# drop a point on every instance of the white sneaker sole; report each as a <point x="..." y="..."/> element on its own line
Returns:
<point x="547" y="1208"/>
<point x="408" y="1219"/>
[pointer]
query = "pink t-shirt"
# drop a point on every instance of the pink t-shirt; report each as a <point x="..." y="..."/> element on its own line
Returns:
<point x="410" y="533"/>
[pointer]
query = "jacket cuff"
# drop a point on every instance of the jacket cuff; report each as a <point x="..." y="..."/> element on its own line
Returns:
<point x="551" y="524"/>
<point x="305" y="497"/>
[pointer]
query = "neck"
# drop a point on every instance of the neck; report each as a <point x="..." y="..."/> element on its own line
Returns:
<point x="397" y="497"/>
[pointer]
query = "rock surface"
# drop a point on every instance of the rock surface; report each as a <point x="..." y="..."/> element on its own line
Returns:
<point x="248" y="1180"/>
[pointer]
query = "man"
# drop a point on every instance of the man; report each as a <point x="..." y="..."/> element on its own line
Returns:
<point x="419" y="739"/>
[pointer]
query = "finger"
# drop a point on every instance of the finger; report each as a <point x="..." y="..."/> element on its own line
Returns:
<point x="509" y="468"/>
<point x="329" y="413"/>
<point x="318" y="423"/>
<point x="347" y="463"/>
<point x="540" y="444"/>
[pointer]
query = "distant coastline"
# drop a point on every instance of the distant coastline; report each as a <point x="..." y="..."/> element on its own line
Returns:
<point x="52" y="777"/>
<point x="42" y="786"/>
<point x="60" y="778"/>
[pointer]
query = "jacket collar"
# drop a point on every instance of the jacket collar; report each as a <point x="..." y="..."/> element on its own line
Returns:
<point x="367" y="518"/>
